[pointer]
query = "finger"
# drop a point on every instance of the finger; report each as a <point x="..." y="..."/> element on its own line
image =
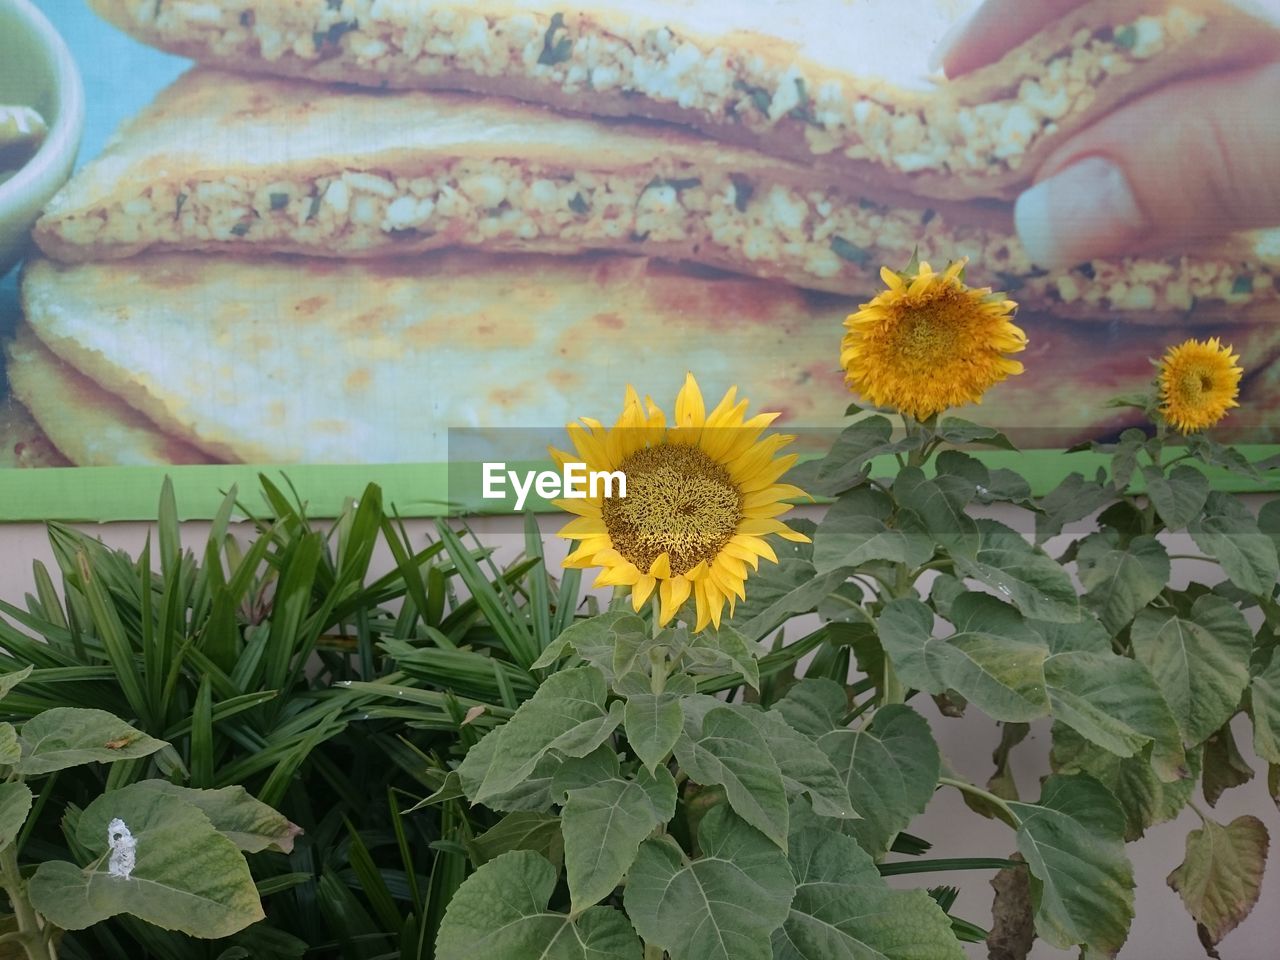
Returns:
<point x="1195" y="159"/>
<point x="993" y="30"/>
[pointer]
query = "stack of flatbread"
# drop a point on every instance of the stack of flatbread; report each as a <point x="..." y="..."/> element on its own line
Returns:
<point x="358" y="223"/>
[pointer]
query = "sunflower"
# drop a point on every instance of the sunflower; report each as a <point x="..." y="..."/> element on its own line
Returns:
<point x="701" y="496"/>
<point x="930" y="343"/>
<point x="1199" y="383"/>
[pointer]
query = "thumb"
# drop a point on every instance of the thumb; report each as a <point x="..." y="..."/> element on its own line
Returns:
<point x="1194" y="160"/>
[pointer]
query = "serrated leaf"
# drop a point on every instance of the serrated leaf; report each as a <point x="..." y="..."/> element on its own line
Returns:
<point x="778" y="593"/>
<point x="15" y="805"/>
<point x="843" y="910"/>
<point x="806" y="769"/>
<point x="890" y="770"/>
<point x="1229" y="533"/>
<point x="10" y="746"/>
<point x="1221" y="876"/>
<point x="1120" y="579"/>
<point x="1114" y="702"/>
<point x="70" y="736"/>
<point x="857" y="445"/>
<point x="724" y="748"/>
<point x="1180" y="496"/>
<point x="959" y="431"/>
<point x="1200" y="663"/>
<point x="1264" y="707"/>
<point x="603" y="826"/>
<point x="523" y="830"/>
<point x="11" y="679"/>
<point x="1224" y="767"/>
<point x="1073" y="842"/>
<point x="722" y="906"/>
<point x="595" y="640"/>
<point x="250" y="824"/>
<point x="814" y="707"/>
<point x="856" y="530"/>
<point x="501" y="911"/>
<point x="726" y="648"/>
<point x="186" y="877"/>
<point x="1073" y="499"/>
<point x="532" y="795"/>
<point x="652" y="722"/>
<point x="566" y="715"/>
<point x="1022" y="573"/>
<point x="936" y="509"/>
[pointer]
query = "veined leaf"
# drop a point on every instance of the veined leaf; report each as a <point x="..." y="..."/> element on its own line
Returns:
<point x="10" y="747"/>
<point x="856" y="530"/>
<point x="1229" y="533"/>
<point x="890" y="770"/>
<point x="1264" y="697"/>
<point x="70" y="736"/>
<point x="805" y="768"/>
<point x="1120" y="580"/>
<point x="1025" y="574"/>
<point x="843" y="909"/>
<point x="10" y="680"/>
<point x="501" y="911"/>
<point x="777" y="593"/>
<point x="186" y="875"/>
<point x="814" y="707"/>
<point x="15" y="804"/>
<point x="722" y="906"/>
<point x="1082" y="882"/>
<point x="537" y="832"/>
<point x="567" y="715"/>
<point x="1180" y="496"/>
<point x="247" y="822"/>
<point x="1221" y="877"/>
<point x="653" y="722"/>
<point x="1200" y="663"/>
<point x="1224" y="767"/>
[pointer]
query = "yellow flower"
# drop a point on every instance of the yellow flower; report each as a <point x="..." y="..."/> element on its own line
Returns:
<point x="1199" y="383"/>
<point x="702" y="495"/>
<point x="930" y="343"/>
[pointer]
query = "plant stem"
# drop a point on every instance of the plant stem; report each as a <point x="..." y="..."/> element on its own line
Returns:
<point x="965" y="787"/>
<point x="29" y="925"/>
<point x="652" y="952"/>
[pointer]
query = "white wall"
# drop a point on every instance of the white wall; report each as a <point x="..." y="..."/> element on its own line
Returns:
<point x="1161" y="931"/>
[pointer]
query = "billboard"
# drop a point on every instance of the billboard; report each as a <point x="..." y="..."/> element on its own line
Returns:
<point x="353" y="226"/>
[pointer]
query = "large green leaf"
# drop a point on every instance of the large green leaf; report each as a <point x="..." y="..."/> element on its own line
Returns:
<point x="187" y="876"/>
<point x="1229" y="533"/>
<point x="567" y="715"/>
<point x="814" y="707"/>
<point x="1200" y="663"/>
<point x="653" y="722"/>
<point x="1221" y="876"/>
<point x="604" y="822"/>
<point x="1180" y="496"/>
<point x="805" y="768"/>
<point x="779" y="592"/>
<point x="1020" y="572"/>
<point x="11" y="679"/>
<point x="1114" y="701"/>
<point x="722" y="906"/>
<point x="1120" y="579"/>
<point x="1224" y="767"/>
<point x="501" y="911"/>
<point x="247" y="822"/>
<point x="1264" y="697"/>
<point x="725" y="748"/>
<point x="890" y="769"/>
<point x="70" y="736"/>
<point x="524" y="830"/>
<point x="10" y="745"/>
<point x="847" y="463"/>
<point x="843" y="910"/>
<point x="531" y="795"/>
<point x="935" y="509"/>
<point x="1082" y="882"/>
<point x="856" y="529"/>
<point x="1073" y="499"/>
<point x="15" y="804"/>
<point x="595" y="640"/>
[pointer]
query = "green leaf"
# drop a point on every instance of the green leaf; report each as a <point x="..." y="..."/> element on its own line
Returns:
<point x="653" y="722"/>
<point x="595" y="640"/>
<point x="805" y="768"/>
<point x="247" y="822"/>
<point x="1073" y="499"/>
<point x="726" y="749"/>
<point x="723" y="906"/>
<point x="843" y="909"/>
<point x="10" y="747"/>
<point x="726" y="648"/>
<point x="890" y="769"/>
<point x="10" y="680"/>
<point x="1224" y="767"/>
<point x="958" y="431"/>
<point x="1082" y="882"/>
<point x="15" y="804"/>
<point x="1119" y="579"/>
<point x="936" y="509"/>
<point x="814" y="707"/>
<point x="501" y="911"/>
<point x="1264" y="697"/>
<point x="845" y="466"/>
<point x="567" y="715"/>
<point x="792" y="587"/>
<point x="1180" y="496"/>
<point x="533" y="794"/>
<point x="1221" y="876"/>
<point x="1229" y="533"/>
<point x="855" y="531"/>
<point x="603" y="827"/>
<point x="187" y="876"/>
<point x="1028" y="577"/>
<point x="70" y="736"/>
<point x="1201" y="663"/>
<point x="523" y="830"/>
<point x="1115" y="703"/>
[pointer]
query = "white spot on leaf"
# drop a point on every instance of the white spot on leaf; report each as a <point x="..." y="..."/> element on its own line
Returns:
<point x="124" y="849"/>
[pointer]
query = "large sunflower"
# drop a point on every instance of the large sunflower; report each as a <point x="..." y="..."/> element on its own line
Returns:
<point x="702" y="494"/>
<point x="929" y="343"/>
<point x="1199" y="383"/>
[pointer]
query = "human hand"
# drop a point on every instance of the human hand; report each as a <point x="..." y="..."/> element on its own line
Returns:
<point x="1193" y="160"/>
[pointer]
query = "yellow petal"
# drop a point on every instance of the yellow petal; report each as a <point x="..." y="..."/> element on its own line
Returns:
<point x="690" y="410"/>
<point x="661" y="567"/>
<point x="673" y="593"/>
<point x="581" y="528"/>
<point x="641" y="592"/>
<point x="622" y="576"/>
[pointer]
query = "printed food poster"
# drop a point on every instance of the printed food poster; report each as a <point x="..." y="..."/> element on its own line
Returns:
<point x="307" y="234"/>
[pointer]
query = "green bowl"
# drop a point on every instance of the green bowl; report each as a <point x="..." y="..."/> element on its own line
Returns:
<point x="36" y="70"/>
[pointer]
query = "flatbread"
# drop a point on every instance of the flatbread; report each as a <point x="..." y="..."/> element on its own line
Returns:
<point x="233" y="164"/>
<point x="22" y="443"/>
<point x="841" y="83"/>
<point x="88" y="425"/>
<point x="310" y="361"/>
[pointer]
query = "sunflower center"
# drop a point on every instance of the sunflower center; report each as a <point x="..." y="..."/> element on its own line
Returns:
<point x="933" y="329"/>
<point x="1196" y="383"/>
<point x="679" y="502"/>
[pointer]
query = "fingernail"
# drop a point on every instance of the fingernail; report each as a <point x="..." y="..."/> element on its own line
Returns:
<point x="1083" y="212"/>
<point x="949" y="41"/>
